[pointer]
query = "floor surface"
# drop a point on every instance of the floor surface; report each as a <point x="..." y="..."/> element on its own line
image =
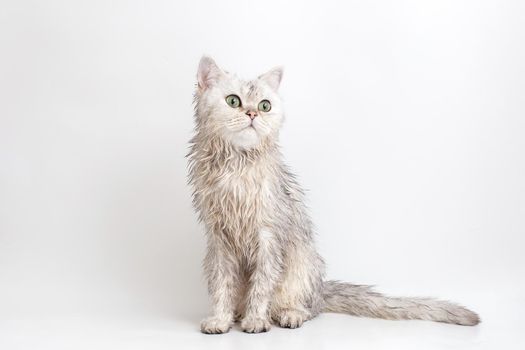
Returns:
<point x="502" y="328"/>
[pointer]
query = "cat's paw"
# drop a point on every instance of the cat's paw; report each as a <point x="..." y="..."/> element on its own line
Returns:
<point x="255" y="325"/>
<point x="215" y="325"/>
<point x="288" y="318"/>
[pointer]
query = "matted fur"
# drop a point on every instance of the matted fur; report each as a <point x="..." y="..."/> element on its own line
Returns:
<point x="261" y="263"/>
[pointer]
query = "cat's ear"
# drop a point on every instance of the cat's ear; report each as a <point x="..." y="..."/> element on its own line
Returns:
<point x="273" y="77"/>
<point x="208" y="73"/>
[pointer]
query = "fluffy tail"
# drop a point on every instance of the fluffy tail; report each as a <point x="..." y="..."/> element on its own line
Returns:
<point x="359" y="300"/>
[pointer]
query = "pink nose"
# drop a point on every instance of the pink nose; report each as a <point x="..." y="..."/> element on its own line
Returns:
<point x="251" y="114"/>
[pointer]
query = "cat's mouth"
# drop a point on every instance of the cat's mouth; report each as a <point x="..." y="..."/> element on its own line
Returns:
<point x="250" y="128"/>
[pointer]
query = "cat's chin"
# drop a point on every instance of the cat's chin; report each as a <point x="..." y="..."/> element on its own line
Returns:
<point x="246" y="139"/>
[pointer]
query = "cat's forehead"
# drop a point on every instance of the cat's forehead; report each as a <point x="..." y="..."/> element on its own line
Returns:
<point x="249" y="89"/>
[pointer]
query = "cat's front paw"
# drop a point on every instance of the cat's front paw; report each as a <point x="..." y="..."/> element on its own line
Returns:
<point x="255" y="325"/>
<point x="215" y="325"/>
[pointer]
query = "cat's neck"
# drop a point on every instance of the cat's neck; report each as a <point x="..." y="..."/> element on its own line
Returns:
<point x="221" y="152"/>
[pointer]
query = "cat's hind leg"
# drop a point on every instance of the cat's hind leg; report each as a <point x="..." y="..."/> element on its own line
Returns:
<point x="297" y="296"/>
<point x="290" y="318"/>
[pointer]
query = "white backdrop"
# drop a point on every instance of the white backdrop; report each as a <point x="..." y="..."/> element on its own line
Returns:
<point x="405" y="122"/>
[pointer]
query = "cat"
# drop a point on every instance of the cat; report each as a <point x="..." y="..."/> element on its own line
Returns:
<point x="261" y="263"/>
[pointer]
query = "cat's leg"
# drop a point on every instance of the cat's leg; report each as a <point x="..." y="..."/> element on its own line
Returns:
<point x="297" y="297"/>
<point x="221" y="270"/>
<point x="293" y="317"/>
<point x="242" y="293"/>
<point x="267" y="267"/>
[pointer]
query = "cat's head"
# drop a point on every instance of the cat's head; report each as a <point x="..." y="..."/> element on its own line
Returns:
<point x="243" y="113"/>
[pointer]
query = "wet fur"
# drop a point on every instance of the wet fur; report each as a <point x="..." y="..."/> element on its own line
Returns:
<point x="261" y="263"/>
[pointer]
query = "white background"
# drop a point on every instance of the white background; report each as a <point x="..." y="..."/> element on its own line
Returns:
<point x="405" y="122"/>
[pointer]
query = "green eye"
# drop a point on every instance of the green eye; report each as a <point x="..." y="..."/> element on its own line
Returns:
<point x="265" y="106"/>
<point x="233" y="101"/>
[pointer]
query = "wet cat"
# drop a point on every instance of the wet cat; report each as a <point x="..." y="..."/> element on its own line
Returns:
<point x="261" y="263"/>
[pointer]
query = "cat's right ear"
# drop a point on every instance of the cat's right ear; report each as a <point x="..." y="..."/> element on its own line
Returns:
<point x="208" y="73"/>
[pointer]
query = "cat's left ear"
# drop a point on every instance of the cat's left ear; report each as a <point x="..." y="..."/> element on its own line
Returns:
<point x="273" y="77"/>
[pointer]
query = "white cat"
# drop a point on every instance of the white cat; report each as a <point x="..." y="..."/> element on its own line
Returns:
<point x="261" y="262"/>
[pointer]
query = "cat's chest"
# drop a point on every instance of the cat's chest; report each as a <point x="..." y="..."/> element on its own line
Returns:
<point x="249" y="187"/>
<point x="240" y="200"/>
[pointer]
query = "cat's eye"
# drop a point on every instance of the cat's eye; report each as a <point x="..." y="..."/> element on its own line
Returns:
<point x="265" y="106"/>
<point x="233" y="101"/>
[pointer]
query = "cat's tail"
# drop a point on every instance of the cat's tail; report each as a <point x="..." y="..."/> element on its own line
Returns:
<point x="360" y="300"/>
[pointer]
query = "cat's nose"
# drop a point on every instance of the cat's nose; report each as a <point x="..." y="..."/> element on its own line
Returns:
<point x="251" y="114"/>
